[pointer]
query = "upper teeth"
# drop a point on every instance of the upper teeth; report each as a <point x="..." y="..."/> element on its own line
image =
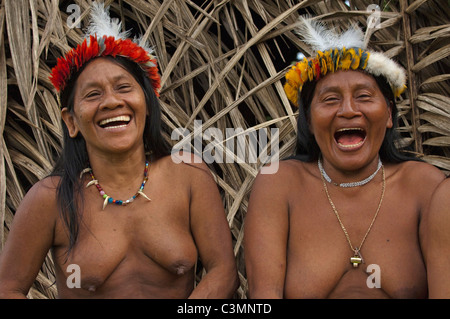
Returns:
<point x="122" y="118"/>
<point x="350" y="129"/>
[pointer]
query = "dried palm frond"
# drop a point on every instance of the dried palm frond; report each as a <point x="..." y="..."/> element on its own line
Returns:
<point x="221" y="62"/>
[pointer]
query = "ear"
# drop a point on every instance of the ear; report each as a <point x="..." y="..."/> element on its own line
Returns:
<point x="390" y="123"/>
<point x="70" y="122"/>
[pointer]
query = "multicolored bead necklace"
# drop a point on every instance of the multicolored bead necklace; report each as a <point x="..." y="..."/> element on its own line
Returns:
<point x="108" y="199"/>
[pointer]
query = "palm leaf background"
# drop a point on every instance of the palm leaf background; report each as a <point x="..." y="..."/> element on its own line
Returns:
<point x="221" y="62"/>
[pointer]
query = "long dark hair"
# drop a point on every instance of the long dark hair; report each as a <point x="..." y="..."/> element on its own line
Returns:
<point x="74" y="157"/>
<point x="307" y="149"/>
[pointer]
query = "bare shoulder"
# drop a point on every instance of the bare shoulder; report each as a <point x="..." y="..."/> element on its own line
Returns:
<point x="418" y="180"/>
<point x="290" y="176"/>
<point x="288" y="172"/>
<point x="441" y="196"/>
<point x="438" y="221"/>
<point x="42" y="193"/>
<point x="185" y="166"/>
<point x="38" y="209"/>
<point x="417" y="173"/>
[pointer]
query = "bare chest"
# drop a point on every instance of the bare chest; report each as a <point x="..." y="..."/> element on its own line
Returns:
<point x="321" y="245"/>
<point x="148" y="243"/>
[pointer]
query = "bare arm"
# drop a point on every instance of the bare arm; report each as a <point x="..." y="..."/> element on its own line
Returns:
<point x="438" y="244"/>
<point x="265" y="237"/>
<point x="29" y="240"/>
<point x="212" y="236"/>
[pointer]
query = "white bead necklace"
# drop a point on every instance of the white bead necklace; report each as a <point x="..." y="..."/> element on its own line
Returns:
<point x="351" y="184"/>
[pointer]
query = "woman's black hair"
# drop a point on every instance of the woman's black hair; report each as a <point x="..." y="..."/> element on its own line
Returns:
<point x="74" y="157"/>
<point x="307" y="149"/>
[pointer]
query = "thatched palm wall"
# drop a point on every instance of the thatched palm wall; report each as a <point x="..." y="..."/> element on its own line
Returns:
<point x="222" y="62"/>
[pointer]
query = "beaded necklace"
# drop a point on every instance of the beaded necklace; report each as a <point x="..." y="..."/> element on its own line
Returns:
<point x="108" y="199"/>
<point x="351" y="184"/>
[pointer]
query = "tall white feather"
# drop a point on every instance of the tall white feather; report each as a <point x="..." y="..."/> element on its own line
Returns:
<point x="352" y="38"/>
<point x="316" y="35"/>
<point x="101" y="23"/>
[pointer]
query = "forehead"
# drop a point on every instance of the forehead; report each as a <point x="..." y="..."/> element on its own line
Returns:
<point x="347" y="79"/>
<point x="102" y="70"/>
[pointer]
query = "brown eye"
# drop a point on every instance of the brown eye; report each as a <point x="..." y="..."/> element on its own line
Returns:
<point x="124" y="88"/>
<point x="364" y="96"/>
<point x="92" y="94"/>
<point x="330" y="99"/>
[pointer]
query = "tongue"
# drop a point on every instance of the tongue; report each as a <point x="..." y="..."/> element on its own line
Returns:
<point x="349" y="139"/>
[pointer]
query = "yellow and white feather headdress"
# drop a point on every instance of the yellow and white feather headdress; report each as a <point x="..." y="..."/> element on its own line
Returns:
<point x="333" y="52"/>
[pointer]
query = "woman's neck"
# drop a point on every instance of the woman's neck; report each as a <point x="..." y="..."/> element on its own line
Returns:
<point x="349" y="177"/>
<point x="117" y="170"/>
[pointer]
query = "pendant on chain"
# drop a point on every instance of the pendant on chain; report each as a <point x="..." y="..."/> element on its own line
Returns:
<point x="357" y="259"/>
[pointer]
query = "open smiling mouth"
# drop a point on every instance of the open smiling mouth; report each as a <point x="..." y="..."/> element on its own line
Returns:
<point x="350" y="138"/>
<point x="115" y="122"/>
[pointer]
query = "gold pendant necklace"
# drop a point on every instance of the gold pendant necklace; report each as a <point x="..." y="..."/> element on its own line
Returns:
<point x="357" y="258"/>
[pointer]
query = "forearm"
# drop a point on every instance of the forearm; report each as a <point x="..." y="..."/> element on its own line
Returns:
<point x="265" y="280"/>
<point x="12" y="295"/>
<point x="259" y="293"/>
<point x="15" y="280"/>
<point x="8" y="293"/>
<point x="218" y="283"/>
<point x="264" y="287"/>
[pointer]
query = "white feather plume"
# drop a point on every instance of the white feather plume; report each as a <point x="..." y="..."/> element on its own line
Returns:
<point x="101" y="23"/>
<point x="352" y="38"/>
<point x="314" y="33"/>
<point x="379" y="64"/>
<point x="320" y="38"/>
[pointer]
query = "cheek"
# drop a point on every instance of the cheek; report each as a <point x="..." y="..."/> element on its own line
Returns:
<point x="383" y="118"/>
<point x="83" y="120"/>
<point x="319" y="121"/>
<point x="142" y="110"/>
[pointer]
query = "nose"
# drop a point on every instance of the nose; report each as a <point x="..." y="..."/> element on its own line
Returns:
<point x="111" y="100"/>
<point x="348" y="108"/>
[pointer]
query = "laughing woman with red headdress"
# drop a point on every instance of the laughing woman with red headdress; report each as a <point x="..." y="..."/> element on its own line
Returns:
<point x="343" y="217"/>
<point x="133" y="221"/>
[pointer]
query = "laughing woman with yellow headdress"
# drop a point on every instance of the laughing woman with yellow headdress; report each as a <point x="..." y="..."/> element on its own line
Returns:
<point x="343" y="217"/>
<point x="121" y="218"/>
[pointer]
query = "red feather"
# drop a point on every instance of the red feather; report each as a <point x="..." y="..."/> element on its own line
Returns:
<point x="74" y="59"/>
